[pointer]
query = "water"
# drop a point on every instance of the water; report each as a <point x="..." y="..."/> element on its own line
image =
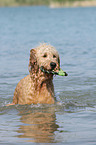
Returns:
<point x="73" y="32"/>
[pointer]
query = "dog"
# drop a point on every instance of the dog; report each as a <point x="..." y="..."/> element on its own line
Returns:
<point x="37" y="87"/>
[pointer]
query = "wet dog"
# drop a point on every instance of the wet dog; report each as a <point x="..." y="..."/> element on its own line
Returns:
<point x="37" y="87"/>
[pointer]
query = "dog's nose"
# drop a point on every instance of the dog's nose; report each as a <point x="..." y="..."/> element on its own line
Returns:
<point x="53" y="65"/>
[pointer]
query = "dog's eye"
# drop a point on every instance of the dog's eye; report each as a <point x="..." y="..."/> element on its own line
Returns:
<point x="45" y="55"/>
<point x="54" y="56"/>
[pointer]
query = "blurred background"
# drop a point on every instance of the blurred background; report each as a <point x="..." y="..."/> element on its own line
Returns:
<point x="50" y="3"/>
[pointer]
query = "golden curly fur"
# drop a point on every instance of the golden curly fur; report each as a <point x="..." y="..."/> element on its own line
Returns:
<point x="37" y="87"/>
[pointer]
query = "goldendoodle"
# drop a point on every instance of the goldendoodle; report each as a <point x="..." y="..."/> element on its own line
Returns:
<point x="37" y="87"/>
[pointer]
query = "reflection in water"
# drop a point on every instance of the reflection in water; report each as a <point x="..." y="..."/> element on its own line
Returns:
<point x="39" y="125"/>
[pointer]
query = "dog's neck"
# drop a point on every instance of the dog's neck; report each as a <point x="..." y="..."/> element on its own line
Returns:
<point x="39" y="81"/>
<point x="43" y="87"/>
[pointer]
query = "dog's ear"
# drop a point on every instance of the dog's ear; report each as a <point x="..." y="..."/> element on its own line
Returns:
<point x="59" y="61"/>
<point x="33" y="61"/>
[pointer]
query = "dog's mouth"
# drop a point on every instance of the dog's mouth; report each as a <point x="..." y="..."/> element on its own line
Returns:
<point x="60" y="72"/>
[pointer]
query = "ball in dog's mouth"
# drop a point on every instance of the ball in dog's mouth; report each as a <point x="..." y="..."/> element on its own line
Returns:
<point x="60" y="72"/>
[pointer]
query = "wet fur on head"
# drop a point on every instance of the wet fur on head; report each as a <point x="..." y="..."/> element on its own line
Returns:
<point x="43" y="55"/>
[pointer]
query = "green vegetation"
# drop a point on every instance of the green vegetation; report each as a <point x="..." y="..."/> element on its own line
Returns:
<point x="23" y="2"/>
<point x="53" y="3"/>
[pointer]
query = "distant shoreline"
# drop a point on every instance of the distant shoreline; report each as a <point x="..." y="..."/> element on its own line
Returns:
<point x="50" y="3"/>
<point x="77" y="3"/>
<point x="86" y="3"/>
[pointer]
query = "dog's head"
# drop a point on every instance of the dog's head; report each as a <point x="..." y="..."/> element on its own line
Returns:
<point x="45" y="59"/>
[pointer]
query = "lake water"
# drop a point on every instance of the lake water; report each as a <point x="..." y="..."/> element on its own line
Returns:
<point x="73" y="32"/>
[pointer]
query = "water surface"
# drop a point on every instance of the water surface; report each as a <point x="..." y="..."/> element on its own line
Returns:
<point x="73" y="32"/>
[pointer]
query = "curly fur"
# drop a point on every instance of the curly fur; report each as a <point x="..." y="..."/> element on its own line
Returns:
<point x="37" y="87"/>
